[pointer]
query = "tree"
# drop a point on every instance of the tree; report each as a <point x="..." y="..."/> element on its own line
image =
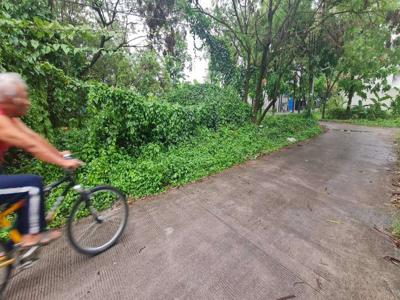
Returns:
<point x="150" y="76"/>
<point x="367" y="58"/>
<point x="257" y="33"/>
<point x="222" y="64"/>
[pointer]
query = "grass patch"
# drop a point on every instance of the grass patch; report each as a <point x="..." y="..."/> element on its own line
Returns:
<point x="208" y="153"/>
<point x="390" y="123"/>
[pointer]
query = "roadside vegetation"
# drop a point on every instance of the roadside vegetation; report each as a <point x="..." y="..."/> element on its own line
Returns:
<point x="165" y="144"/>
<point x="383" y="113"/>
<point x="389" y="123"/>
<point x="108" y="80"/>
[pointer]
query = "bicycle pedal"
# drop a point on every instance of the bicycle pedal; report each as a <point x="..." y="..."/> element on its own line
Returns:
<point x="30" y="254"/>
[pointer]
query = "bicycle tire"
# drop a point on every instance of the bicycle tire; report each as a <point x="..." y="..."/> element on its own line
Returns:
<point x="80" y="216"/>
<point x="6" y="270"/>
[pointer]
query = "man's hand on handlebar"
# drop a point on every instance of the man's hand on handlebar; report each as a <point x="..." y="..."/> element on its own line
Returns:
<point x="65" y="153"/>
<point x="71" y="163"/>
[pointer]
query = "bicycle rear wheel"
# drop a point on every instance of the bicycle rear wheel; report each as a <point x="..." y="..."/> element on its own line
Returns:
<point x="6" y="262"/>
<point x="97" y="223"/>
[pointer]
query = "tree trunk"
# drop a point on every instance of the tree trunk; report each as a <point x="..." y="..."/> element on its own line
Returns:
<point x="259" y="93"/>
<point x="266" y="110"/>
<point x="302" y="92"/>
<point x="246" y="84"/>
<point x="326" y="97"/>
<point x="294" y="89"/>
<point x="350" y="96"/>
<point x="51" y="4"/>
<point x="274" y="99"/>
<point x="95" y="57"/>
<point x="349" y="101"/>
<point x="264" y="64"/>
<point x="311" y="95"/>
<point x="323" y="108"/>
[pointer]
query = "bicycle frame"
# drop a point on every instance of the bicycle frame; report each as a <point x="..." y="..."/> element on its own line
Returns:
<point x="71" y="185"/>
<point x="68" y="178"/>
<point x="15" y="235"/>
<point x="16" y="258"/>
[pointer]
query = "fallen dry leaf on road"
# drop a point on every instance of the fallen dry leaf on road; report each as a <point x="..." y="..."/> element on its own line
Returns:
<point x="334" y="222"/>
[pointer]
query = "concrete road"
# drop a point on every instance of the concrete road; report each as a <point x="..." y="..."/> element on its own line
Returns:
<point x="296" y="224"/>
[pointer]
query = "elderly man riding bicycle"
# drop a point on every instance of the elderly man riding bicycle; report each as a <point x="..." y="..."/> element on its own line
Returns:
<point x="14" y="103"/>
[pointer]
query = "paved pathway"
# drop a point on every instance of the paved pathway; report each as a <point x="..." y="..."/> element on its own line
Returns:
<point x="297" y="223"/>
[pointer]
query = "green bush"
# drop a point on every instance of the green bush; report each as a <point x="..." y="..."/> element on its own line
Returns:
<point x="360" y="111"/>
<point x="370" y="112"/>
<point x="125" y="119"/>
<point x="157" y="168"/>
<point x="395" y="106"/>
<point x="337" y="113"/>
<point x="388" y="122"/>
<point x="335" y="108"/>
<point x="216" y="106"/>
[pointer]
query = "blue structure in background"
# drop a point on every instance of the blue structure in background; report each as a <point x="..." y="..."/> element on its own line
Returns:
<point x="291" y="104"/>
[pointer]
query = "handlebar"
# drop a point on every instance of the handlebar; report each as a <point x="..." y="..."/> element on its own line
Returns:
<point x="69" y="156"/>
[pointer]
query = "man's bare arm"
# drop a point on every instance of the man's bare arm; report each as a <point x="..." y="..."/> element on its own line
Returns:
<point x="18" y="123"/>
<point x="13" y="135"/>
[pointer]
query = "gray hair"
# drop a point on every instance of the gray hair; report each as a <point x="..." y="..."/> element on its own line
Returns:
<point x="9" y="82"/>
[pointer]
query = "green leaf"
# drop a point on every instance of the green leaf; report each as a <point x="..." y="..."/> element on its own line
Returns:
<point x="34" y="44"/>
<point x="65" y="48"/>
<point x="384" y="98"/>
<point x="46" y="50"/>
<point x="38" y="21"/>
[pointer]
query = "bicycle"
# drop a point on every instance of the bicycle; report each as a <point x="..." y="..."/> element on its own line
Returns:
<point x="93" y="208"/>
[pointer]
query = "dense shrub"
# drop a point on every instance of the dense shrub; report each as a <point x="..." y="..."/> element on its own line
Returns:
<point x="337" y="113"/>
<point x="128" y="120"/>
<point x="216" y="106"/>
<point x="210" y="151"/>
<point x="125" y="119"/>
<point x="335" y="108"/>
<point x="395" y="106"/>
<point x="369" y="113"/>
<point x="360" y="111"/>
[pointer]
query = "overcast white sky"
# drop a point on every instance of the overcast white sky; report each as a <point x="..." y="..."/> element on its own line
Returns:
<point x="199" y="62"/>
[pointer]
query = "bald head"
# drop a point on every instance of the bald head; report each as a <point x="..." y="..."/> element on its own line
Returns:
<point x="10" y="83"/>
<point x="14" y="99"/>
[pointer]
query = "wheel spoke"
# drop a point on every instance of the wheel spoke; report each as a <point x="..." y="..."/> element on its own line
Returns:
<point x="92" y="237"/>
<point x="109" y="216"/>
<point x="91" y="227"/>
